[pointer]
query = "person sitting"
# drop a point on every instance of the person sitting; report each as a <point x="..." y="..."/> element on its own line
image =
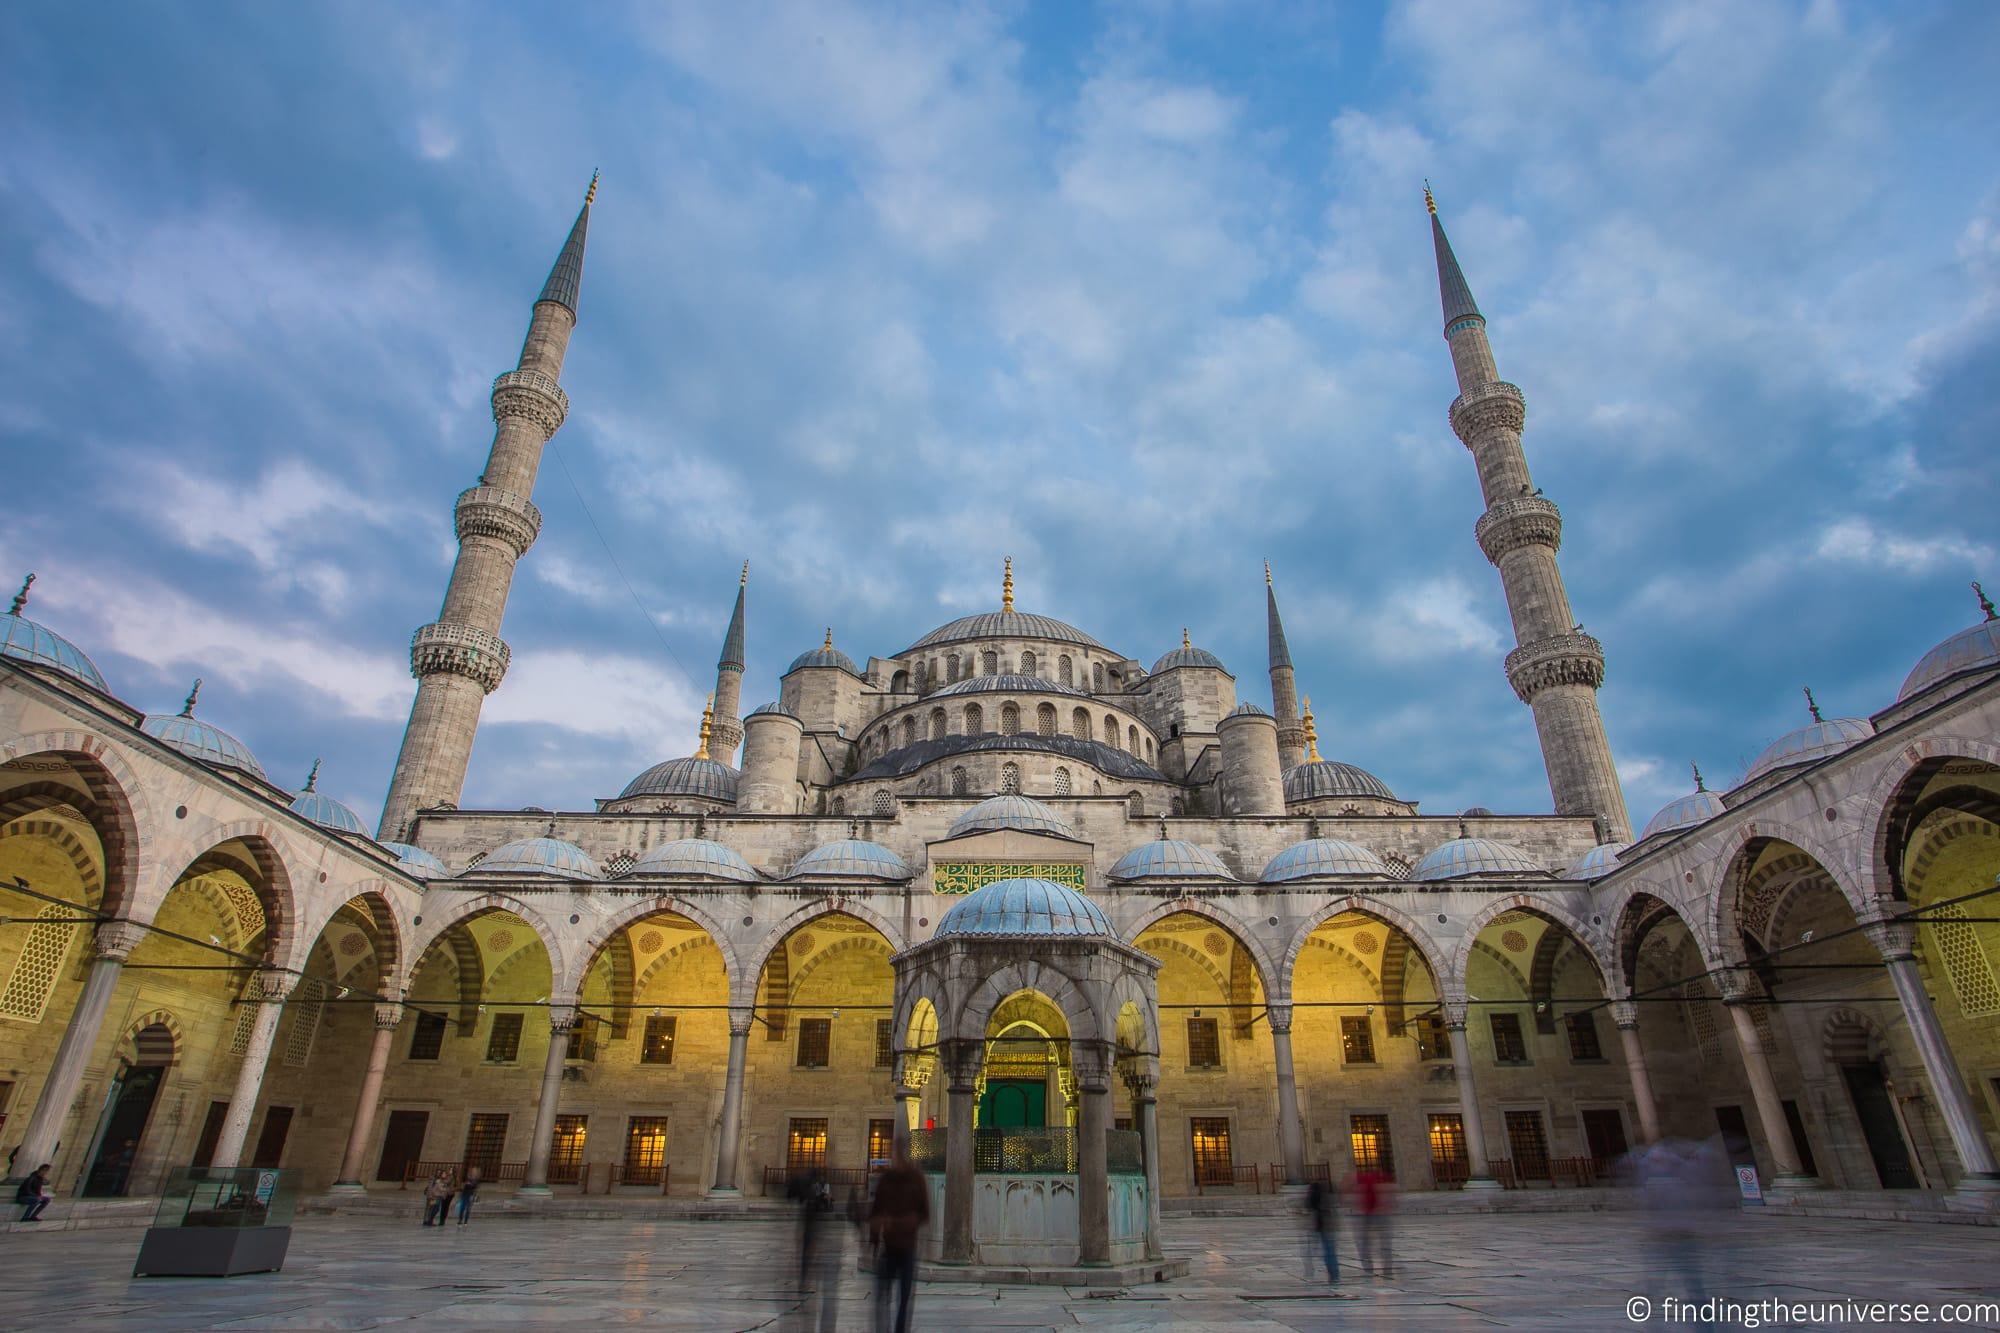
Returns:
<point x="34" y="1193"/>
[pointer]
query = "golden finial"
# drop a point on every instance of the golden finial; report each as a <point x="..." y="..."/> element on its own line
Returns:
<point x="591" y="193"/>
<point x="1007" y="586"/>
<point x="827" y="647"/>
<point x="313" y="776"/>
<point x="1812" y="705"/>
<point x="1312" y="736"/>
<point x="187" y="709"/>
<point x="744" y="582"/>
<point x="21" y="597"/>
<point x="1186" y="643"/>
<point x="1429" y="202"/>
<point x="707" y="721"/>
<point x="1267" y="574"/>
<point x="1699" y="785"/>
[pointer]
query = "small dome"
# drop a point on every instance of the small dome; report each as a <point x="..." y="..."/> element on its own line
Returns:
<point x="417" y="861"/>
<point x="1596" y="863"/>
<point x="1247" y="709"/>
<point x="1475" y="856"/>
<point x="1004" y="625"/>
<point x="25" y="641"/>
<point x="1170" y="858"/>
<point x="1187" y="655"/>
<point x="1006" y="685"/>
<point x="1024" y="907"/>
<point x="1696" y="807"/>
<point x="707" y="778"/>
<point x="826" y="655"/>
<point x="1968" y="650"/>
<point x="851" y="856"/>
<point x="773" y="708"/>
<point x="1010" y="812"/>
<point x="1477" y="812"/>
<point x="198" y="740"/>
<point x="693" y="856"/>
<point x="1328" y="777"/>
<point x="537" y="856"/>
<point x="1815" y="741"/>
<point x="1322" y="856"/>
<point x="327" y="812"/>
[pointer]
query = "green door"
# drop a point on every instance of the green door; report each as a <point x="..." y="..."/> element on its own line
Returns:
<point x="1014" y="1103"/>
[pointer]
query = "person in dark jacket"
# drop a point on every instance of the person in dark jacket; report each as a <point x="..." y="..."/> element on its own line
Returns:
<point x="1323" y="1216"/>
<point x="437" y="1199"/>
<point x="465" y="1193"/>
<point x="902" y="1206"/>
<point x="34" y="1193"/>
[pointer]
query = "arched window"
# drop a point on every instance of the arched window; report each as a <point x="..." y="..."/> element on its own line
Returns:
<point x="1045" y="719"/>
<point x="1079" y="725"/>
<point x="1135" y="806"/>
<point x="951" y="667"/>
<point x="1027" y="661"/>
<point x="957" y="780"/>
<point x="1149" y="749"/>
<point x="1132" y="740"/>
<point x="975" y="721"/>
<point x="1096" y="788"/>
<point x="1062" y="782"/>
<point x="1010" y="779"/>
<point x="937" y="724"/>
<point x="899" y="683"/>
<point x="1110" y="730"/>
<point x="989" y="663"/>
<point x="884" y="803"/>
<point x="1065" y="670"/>
<point x="909" y="731"/>
<point x="1097" y="676"/>
<point x="923" y="678"/>
<point x="1010" y="718"/>
<point x="840" y="805"/>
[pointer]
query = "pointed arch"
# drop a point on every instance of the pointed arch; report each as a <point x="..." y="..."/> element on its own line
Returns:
<point x="1427" y="948"/>
<point x="1558" y="916"/>
<point x="121" y="811"/>
<point x="656" y="905"/>
<point x="1239" y="930"/>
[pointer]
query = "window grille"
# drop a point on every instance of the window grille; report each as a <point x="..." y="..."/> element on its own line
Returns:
<point x="1204" y="1044"/>
<point x="989" y="663"/>
<point x="1028" y="662"/>
<point x="1448" y="1141"/>
<point x="583" y="1039"/>
<point x="1065" y="670"/>
<point x="1062" y="782"/>
<point x="1212" y="1163"/>
<point x="1701" y="1019"/>
<point x="909" y="731"/>
<point x="1357" y="1040"/>
<point x="645" y="1149"/>
<point x="657" y="1046"/>
<point x="566" y="1149"/>
<point x="428" y="1038"/>
<point x="1010" y="719"/>
<point x="951" y="668"/>
<point x="1132" y="740"/>
<point x="815" y="1043"/>
<point x="881" y="1141"/>
<point x="1368" y="1137"/>
<point x="1110" y="730"/>
<point x="1508" y="1046"/>
<point x="1097" y="676"/>
<point x="958" y="781"/>
<point x="1528" y="1145"/>
<point x="1433" y="1041"/>
<point x="805" y="1145"/>
<point x="937" y="724"/>
<point x="40" y="963"/>
<point x="306" y="1004"/>
<point x="975" y="720"/>
<point x="1010" y="778"/>
<point x="1955" y="943"/>
<point x="620" y="863"/>
<point x="1079" y="725"/>
<point x="885" y="804"/>
<point x="485" y="1143"/>
<point x="503" y="1041"/>
<point x="1045" y="719"/>
<point x="885" y="1045"/>
<point x="1583" y="1042"/>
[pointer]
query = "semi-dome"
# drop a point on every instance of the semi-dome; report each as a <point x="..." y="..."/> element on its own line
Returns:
<point x="1815" y="741"/>
<point x="1003" y="625"/>
<point x="1329" y="777"/>
<point x="1322" y="856"/>
<point x="1010" y="812"/>
<point x="1967" y="650"/>
<point x="693" y="856"/>
<point x="25" y="641"/>
<point x="417" y="861"/>
<point x="1697" y="807"/>
<point x="1187" y="655"/>
<point x="1475" y="856"/>
<point x="1596" y="863"/>
<point x="851" y="856"/>
<point x="774" y="708"/>
<point x="1169" y="858"/>
<point x="1035" y="907"/>
<point x="323" y="810"/>
<point x="826" y="655"/>
<point x="1008" y="684"/>
<point x="707" y="778"/>
<point x="198" y="740"/>
<point x="537" y="856"/>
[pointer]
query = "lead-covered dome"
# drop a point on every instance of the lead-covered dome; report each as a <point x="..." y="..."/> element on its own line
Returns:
<point x="1169" y="858"/>
<point x="25" y="641"/>
<point x="1322" y="856"/>
<point x="1007" y="684"/>
<point x="1475" y="856"/>
<point x="1025" y="907"/>
<point x="1003" y="625"/>
<point x="417" y="861"/>
<point x="851" y="856"/>
<point x="1596" y="863"/>
<point x="198" y="740"/>
<point x="1818" y="740"/>
<point x="706" y="778"/>
<point x="1187" y="655"/>
<point x="1010" y="812"/>
<point x="1968" y="650"/>
<point x="1330" y="777"/>
<point x="1697" y="807"/>
<point x="826" y="655"/>
<point x="693" y="856"/>
<point x="1248" y="709"/>
<point x="537" y="856"/>
<point x="772" y="709"/>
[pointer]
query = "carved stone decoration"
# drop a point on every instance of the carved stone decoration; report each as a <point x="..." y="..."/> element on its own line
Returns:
<point x="463" y="650"/>
<point x="1496" y="405"/>
<point x="1560" y="659"/>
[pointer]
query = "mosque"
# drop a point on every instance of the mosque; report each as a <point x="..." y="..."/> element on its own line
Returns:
<point x="1009" y="899"/>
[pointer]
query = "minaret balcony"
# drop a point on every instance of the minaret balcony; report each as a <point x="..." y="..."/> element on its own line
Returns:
<point x="1560" y="659"/>
<point x="489" y="511"/>
<point x="532" y="395"/>
<point x="1525" y="520"/>
<point x="459" y="650"/>
<point x="1494" y="405"/>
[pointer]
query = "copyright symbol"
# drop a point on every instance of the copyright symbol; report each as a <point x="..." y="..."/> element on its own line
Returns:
<point x="1638" y="1309"/>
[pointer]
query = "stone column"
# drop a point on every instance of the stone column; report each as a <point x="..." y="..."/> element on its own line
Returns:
<point x="387" y="1018"/>
<point x="958" y="1182"/>
<point x="271" y="990"/>
<point x="729" y="1135"/>
<point x="1764" y="1090"/>
<point x="1146" y="1116"/>
<point x="535" y="1181"/>
<point x="1291" y="1132"/>
<point x="1980" y="1185"/>
<point x="1480" y="1175"/>
<point x="110" y="947"/>
<point x="1093" y="1175"/>
<point x="907" y="1100"/>
<point x="1626" y="1014"/>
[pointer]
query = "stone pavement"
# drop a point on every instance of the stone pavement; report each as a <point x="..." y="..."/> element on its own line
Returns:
<point x="1462" y="1272"/>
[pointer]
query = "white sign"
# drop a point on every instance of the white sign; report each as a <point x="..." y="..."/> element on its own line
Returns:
<point x="267" y="1183"/>
<point x="1747" y="1186"/>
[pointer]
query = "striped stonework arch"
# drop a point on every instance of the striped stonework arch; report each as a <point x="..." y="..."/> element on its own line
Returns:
<point x="1427" y="948"/>
<point x="777" y="993"/>
<point x="659" y="967"/>
<point x="141" y="1049"/>
<point x="1242" y="936"/>
<point x="1850" y="1037"/>
<point x="868" y="943"/>
<point x="78" y="852"/>
<point x="1939" y="831"/>
<point x="1487" y="951"/>
<point x="1160" y="945"/>
<point x="1556" y="915"/>
<point x="123" y="815"/>
<point x="1893" y="799"/>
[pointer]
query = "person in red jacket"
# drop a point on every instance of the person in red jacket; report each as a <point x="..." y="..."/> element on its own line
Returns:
<point x="1374" y="1197"/>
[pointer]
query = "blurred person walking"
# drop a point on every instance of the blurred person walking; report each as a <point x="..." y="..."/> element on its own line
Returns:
<point x="901" y="1208"/>
<point x="1375" y="1195"/>
<point x="1323" y="1216"/>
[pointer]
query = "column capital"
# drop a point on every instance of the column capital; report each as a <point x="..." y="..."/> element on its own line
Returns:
<point x="1894" y="937"/>
<point x="271" y="987"/>
<point x="388" y="1016"/>
<point x="115" y="940"/>
<point x="1140" y="1084"/>
<point x="1455" y="1013"/>
<point x="1625" y="1014"/>
<point x="1738" y="986"/>
<point x="1280" y="1016"/>
<point x="740" y="1019"/>
<point x="562" y="1018"/>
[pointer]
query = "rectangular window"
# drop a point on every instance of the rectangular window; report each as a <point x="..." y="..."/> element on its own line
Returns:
<point x="428" y="1039"/>
<point x="1204" y="1044"/>
<point x="805" y="1144"/>
<point x="1583" y="1043"/>
<point x="881" y="1141"/>
<point x="885" y="1043"/>
<point x="815" y="1043"/>
<point x="1508" y="1046"/>
<point x="485" y="1140"/>
<point x="1369" y="1136"/>
<point x="1357" y="1041"/>
<point x="566" y="1149"/>
<point x="211" y="1134"/>
<point x="1212" y="1163"/>
<point x="583" y="1039"/>
<point x="1448" y="1156"/>
<point x="1528" y="1145"/>
<point x="1604" y="1135"/>
<point x="402" y="1143"/>
<point x="1433" y="1041"/>
<point x="1797" y="1124"/>
<point x="645" y="1149"/>
<point x="503" y="1043"/>
<point x="657" y="1048"/>
<point x="1122" y="1122"/>
<point x="270" y="1149"/>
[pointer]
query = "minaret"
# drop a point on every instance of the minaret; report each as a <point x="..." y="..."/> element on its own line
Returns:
<point x="1557" y="668"/>
<point x="460" y="659"/>
<point x="728" y="694"/>
<point x="1284" y="691"/>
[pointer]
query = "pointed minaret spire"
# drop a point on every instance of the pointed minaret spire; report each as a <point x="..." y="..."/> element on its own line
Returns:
<point x="460" y="658"/>
<point x="1555" y="667"/>
<point x="707" y="723"/>
<point x="1007" y="586"/>
<point x="187" y="708"/>
<point x="1284" y="690"/>
<point x="312" y="777"/>
<point x="21" y="597"/>
<point x="1812" y="705"/>
<point x="729" y="678"/>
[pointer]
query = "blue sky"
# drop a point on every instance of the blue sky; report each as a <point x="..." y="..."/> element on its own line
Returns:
<point x="1140" y="294"/>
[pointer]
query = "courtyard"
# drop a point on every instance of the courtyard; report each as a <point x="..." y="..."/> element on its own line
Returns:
<point x="1567" y="1270"/>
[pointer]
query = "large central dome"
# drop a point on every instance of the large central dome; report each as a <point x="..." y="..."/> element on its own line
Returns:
<point x="1003" y="625"/>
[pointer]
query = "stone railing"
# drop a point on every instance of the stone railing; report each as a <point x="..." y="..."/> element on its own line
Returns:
<point x="1496" y="404"/>
<point x="1525" y="520"/>
<point x="463" y="650"/>
<point x="1560" y="659"/>
<point x="489" y="511"/>
<point x="531" y="395"/>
